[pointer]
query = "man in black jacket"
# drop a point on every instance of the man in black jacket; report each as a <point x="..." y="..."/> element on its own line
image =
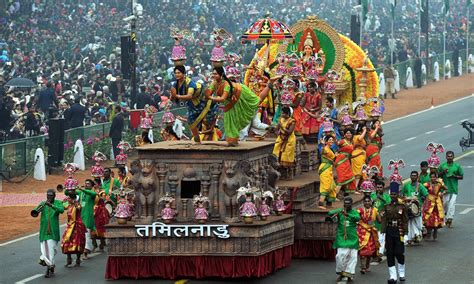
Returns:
<point x="418" y="64"/>
<point x="77" y="113"/>
<point x="116" y="129"/>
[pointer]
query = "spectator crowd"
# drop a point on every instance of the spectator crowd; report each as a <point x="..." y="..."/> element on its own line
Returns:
<point x="71" y="49"/>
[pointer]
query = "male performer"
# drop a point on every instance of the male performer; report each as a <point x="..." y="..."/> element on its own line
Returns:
<point x="87" y="200"/>
<point x="395" y="226"/>
<point x="414" y="190"/>
<point x="450" y="172"/>
<point x="347" y="241"/>
<point x="109" y="184"/>
<point x="380" y="199"/>
<point x="424" y="174"/>
<point x="49" y="229"/>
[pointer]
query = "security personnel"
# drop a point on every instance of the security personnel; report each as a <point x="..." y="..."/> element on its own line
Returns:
<point x="395" y="226"/>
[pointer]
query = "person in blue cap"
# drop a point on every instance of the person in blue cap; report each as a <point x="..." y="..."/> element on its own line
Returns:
<point x="395" y="226"/>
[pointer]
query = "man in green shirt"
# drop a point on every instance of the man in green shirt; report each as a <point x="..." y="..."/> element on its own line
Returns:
<point x="414" y="191"/>
<point x="87" y="201"/>
<point x="380" y="199"/>
<point x="451" y="173"/>
<point x="424" y="174"/>
<point x="109" y="184"/>
<point x="49" y="229"/>
<point x="347" y="241"/>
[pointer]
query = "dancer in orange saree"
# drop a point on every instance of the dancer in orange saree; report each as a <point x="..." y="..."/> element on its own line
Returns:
<point x="375" y="144"/>
<point x="433" y="212"/>
<point x="345" y="176"/>
<point x="367" y="232"/>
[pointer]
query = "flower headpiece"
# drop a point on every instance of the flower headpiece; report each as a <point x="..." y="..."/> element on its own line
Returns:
<point x="232" y="72"/>
<point x="97" y="170"/>
<point x="178" y="53"/>
<point x="218" y="54"/>
<point x="346" y="119"/>
<point x="122" y="157"/>
<point x="71" y="183"/>
<point x="200" y="199"/>
<point x="167" y="198"/>
<point x="395" y="165"/>
<point x="434" y="148"/>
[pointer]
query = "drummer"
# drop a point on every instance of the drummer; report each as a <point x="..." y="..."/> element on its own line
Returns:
<point x="414" y="194"/>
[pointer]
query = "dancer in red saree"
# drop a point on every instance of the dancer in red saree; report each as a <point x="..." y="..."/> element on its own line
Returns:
<point x="367" y="232"/>
<point x="433" y="212"/>
<point x="345" y="175"/>
<point x="74" y="237"/>
<point x="374" y="146"/>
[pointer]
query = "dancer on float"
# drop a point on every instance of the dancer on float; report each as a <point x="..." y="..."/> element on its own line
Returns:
<point x="345" y="175"/>
<point x="374" y="146"/>
<point x="200" y="109"/>
<point x="327" y="186"/>
<point x="240" y="103"/>
<point x="285" y="144"/>
<point x="311" y="105"/>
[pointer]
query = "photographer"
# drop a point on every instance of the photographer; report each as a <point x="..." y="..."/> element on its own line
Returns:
<point x="347" y="241"/>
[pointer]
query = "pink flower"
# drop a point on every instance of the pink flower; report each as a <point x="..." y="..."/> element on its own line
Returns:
<point x="90" y="141"/>
<point x="66" y="146"/>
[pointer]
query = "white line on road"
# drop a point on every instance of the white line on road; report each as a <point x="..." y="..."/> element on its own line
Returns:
<point x="425" y="110"/>
<point x="390" y="146"/>
<point x="429" y="132"/>
<point x="23" y="238"/>
<point x="29" y="279"/>
<point x="447" y="126"/>
<point x="411" y="138"/>
<point x="465" y="211"/>
<point x="464" y="119"/>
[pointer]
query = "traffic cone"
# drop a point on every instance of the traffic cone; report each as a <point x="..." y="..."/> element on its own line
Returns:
<point x="432" y="102"/>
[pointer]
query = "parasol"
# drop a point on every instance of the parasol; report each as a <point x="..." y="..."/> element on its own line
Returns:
<point x="268" y="30"/>
<point x="20" y="83"/>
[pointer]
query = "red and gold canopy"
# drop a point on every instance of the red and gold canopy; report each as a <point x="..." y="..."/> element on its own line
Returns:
<point x="267" y="29"/>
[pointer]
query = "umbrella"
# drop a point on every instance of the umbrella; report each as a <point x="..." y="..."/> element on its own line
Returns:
<point x="20" y="83"/>
<point x="266" y="30"/>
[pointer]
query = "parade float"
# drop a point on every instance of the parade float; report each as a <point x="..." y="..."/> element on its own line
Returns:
<point x="346" y="74"/>
<point x="207" y="210"/>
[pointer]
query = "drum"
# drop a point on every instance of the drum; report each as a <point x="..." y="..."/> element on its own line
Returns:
<point x="109" y="205"/>
<point x="414" y="209"/>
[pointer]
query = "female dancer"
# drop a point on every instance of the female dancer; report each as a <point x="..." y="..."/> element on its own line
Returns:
<point x="200" y="109"/>
<point x="345" y="176"/>
<point x="367" y="232"/>
<point x="74" y="237"/>
<point x="311" y="106"/>
<point x="374" y="147"/>
<point x="285" y="143"/>
<point x="240" y="103"/>
<point x="358" y="154"/>
<point x="327" y="186"/>
<point x="433" y="212"/>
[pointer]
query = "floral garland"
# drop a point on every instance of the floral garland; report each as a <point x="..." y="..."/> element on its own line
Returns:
<point x="354" y="58"/>
<point x="351" y="77"/>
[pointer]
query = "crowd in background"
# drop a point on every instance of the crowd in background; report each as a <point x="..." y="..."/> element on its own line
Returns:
<point x="71" y="49"/>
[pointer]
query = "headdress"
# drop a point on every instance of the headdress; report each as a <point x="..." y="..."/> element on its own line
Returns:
<point x="286" y="98"/>
<point x="122" y="157"/>
<point x="394" y="187"/>
<point x="308" y="41"/>
<point x="97" y="170"/>
<point x="376" y="110"/>
<point x="232" y="72"/>
<point x="346" y="119"/>
<point x="167" y="198"/>
<point x="178" y="53"/>
<point x="311" y="72"/>
<point x="434" y="148"/>
<point x="200" y="199"/>
<point x="218" y="54"/>
<point x="70" y="182"/>
<point x="395" y="165"/>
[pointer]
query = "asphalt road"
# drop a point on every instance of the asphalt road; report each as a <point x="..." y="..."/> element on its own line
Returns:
<point x="449" y="260"/>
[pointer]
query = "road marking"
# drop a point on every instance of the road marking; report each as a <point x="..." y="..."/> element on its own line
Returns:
<point x="411" y="138"/>
<point x="23" y="238"/>
<point x="429" y="132"/>
<point x="465" y="211"/>
<point x="413" y="165"/>
<point x="29" y="279"/>
<point x="463" y="119"/>
<point x="447" y="126"/>
<point x="390" y="146"/>
<point x="428" y="109"/>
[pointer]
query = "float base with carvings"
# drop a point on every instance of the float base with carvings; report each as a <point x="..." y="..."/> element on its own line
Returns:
<point x="222" y="246"/>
